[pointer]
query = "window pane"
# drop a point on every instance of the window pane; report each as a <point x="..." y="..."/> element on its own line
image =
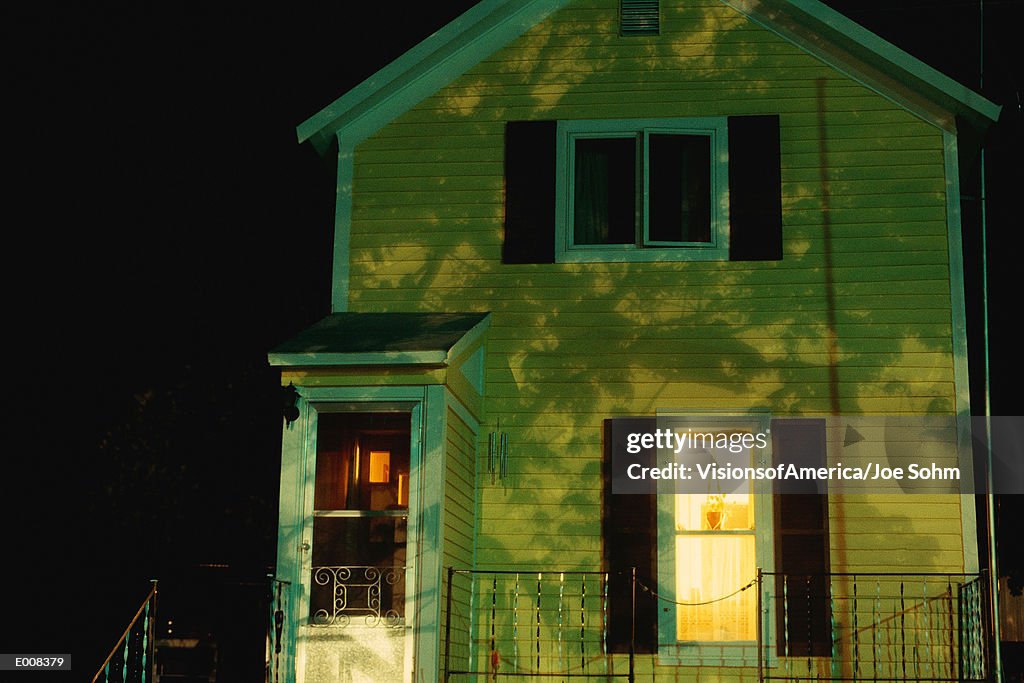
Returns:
<point x="729" y="511"/>
<point x="605" y="193"/>
<point x="380" y="464"/>
<point x="358" y="561"/>
<point x="680" y="188"/>
<point x="358" y="568"/>
<point x="348" y="474"/>
<point x="709" y="567"/>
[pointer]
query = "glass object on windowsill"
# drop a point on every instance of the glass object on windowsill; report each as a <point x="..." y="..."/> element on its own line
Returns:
<point x="714" y="511"/>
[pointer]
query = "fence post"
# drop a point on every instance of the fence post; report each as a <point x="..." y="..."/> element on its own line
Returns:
<point x="960" y="631"/>
<point x="985" y="606"/>
<point x="760" y="634"/>
<point x="632" y="627"/>
<point x="150" y="672"/>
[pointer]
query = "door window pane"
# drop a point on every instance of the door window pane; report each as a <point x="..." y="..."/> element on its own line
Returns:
<point x="348" y="476"/>
<point x="360" y="519"/>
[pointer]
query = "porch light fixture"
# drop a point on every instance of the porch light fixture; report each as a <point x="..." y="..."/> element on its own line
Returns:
<point x="290" y="397"/>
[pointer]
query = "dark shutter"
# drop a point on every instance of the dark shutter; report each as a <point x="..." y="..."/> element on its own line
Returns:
<point x="629" y="528"/>
<point x="801" y="544"/>
<point x="755" y="189"/>
<point x="529" y="192"/>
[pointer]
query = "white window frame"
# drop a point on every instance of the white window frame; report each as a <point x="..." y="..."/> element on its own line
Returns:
<point x="716" y="128"/>
<point x="671" y="650"/>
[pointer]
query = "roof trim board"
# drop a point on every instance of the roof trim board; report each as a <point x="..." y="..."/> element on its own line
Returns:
<point x="436" y="358"/>
<point x="871" y="60"/>
<point x="488" y="26"/>
<point x="877" y="45"/>
<point x="426" y="68"/>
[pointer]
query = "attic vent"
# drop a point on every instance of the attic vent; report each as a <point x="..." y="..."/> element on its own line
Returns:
<point x="639" y="17"/>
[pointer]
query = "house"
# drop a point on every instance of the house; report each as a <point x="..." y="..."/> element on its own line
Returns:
<point x="562" y="226"/>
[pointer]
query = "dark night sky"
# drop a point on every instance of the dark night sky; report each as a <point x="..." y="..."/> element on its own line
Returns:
<point x="169" y="231"/>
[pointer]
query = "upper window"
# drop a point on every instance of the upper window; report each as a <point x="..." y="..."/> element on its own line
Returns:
<point x="642" y="190"/>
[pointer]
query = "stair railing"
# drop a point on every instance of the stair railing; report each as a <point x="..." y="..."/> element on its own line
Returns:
<point x="134" y="651"/>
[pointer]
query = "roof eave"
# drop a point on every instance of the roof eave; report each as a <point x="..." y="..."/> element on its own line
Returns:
<point x="491" y="24"/>
<point x="313" y="128"/>
<point x="857" y="48"/>
<point x="959" y="98"/>
<point x="366" y="359"/>
<point x="458" y="46"/>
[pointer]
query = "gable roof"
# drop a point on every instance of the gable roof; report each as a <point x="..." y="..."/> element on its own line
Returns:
<point x="492" y="24"/>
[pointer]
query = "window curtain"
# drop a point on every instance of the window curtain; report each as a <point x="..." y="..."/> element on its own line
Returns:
<point x="708" y="568"/>
<point x="712" y="565"/>
<point x="591" y="214"/>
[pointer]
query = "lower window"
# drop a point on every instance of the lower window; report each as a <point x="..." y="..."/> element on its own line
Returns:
<point x="699" y="551"/>
<point x="710" y="547"/>
<point x="716" y="557"/>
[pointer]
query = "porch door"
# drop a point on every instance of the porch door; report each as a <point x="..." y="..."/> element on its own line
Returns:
<point x="357" y="568"/>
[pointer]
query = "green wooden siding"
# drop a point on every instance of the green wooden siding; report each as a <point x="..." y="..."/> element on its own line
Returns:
<point x="572" y="344"/>
<point x="459" y="515"/>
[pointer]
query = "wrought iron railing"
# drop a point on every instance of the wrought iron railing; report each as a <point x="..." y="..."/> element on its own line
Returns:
<point x="276" y="631"/>
<point x="878" y="627"/>
<point x="132" y="660"/>
<point x="528" y="624"/>
<point x="340" y="593"/>
<point x="842" y="626"/>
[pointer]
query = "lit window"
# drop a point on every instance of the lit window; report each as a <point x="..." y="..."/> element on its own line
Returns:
<point x="715" y="555"/>
<point x="710" y="545"/>
<point x="380" y="464"/>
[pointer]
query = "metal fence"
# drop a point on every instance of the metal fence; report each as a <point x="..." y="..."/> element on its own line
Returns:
<point x="528" y="624"/>
<point x="878" y="627"/>
<point x="841" y="627"/>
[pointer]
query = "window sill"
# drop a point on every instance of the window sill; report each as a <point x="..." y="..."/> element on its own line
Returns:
<point x="741" y="654"/>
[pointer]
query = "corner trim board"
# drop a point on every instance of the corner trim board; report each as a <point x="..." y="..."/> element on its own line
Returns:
<point x="961" y="378"/>
<point x="340" y="273"/>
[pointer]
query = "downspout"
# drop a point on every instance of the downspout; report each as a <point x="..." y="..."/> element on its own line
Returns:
<point x="990" y="510"/>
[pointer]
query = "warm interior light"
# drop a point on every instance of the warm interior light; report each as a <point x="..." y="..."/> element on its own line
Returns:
<point x="403" y="490"/>
<point x="380" y="467"/>
<point x="715" y="555"/>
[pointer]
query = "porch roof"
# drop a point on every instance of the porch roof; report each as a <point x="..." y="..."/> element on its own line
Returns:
<point x="380" y="339"/>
